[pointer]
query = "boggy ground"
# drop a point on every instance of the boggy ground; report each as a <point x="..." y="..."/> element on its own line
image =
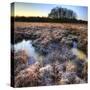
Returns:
<point x="44" y="34"/>
<point x="60" y="44"/>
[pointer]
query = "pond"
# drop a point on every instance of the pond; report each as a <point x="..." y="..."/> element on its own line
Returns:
<point x="80" y="54"/>
<point x="27" y="46"/>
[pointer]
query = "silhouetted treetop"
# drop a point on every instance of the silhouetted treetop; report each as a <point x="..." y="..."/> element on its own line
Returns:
<point x="60" y="13"/>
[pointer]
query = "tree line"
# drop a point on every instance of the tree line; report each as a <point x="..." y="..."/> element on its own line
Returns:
<point x="57" y="14"/>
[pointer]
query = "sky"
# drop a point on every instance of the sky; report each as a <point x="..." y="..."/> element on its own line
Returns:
<point x="42" y="10"/>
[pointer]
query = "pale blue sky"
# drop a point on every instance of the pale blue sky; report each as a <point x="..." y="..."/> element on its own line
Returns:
<point x="42" y="10"/>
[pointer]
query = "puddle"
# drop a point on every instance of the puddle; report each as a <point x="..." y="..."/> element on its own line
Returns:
<point x="27" y="46"/>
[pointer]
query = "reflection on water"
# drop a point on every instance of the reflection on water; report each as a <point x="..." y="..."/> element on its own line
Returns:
<point x="27" y="46"/>
<point x="74" y="44"/>
<point x="78" y="52"/>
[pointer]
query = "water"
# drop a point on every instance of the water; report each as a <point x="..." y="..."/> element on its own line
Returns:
<point x="27" y="46"/>
<point x="74" y="44"/>
<point x="80" y="54"/>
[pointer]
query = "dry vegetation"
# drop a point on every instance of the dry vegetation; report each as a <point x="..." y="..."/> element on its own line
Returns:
<point x="45" y="33"/>
<point x="55" y="42"/>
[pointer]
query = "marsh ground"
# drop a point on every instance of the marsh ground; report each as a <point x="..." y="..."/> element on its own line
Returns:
<point x="64" y="47"/>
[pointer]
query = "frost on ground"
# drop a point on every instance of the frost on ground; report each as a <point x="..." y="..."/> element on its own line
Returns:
<point x="63" y="48"/>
